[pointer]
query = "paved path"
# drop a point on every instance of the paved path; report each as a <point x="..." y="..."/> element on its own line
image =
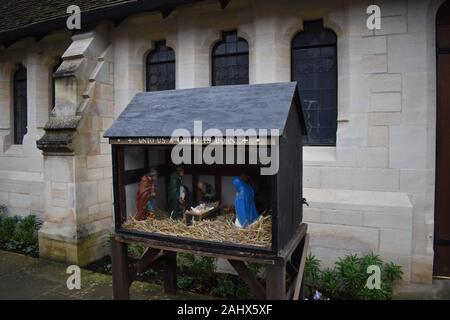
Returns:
<point x="439" y="290"/>
<point x="23" y="277"/>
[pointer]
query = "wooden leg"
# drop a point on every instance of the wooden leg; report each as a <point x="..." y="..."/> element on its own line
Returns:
<point x="170" y="272"/>
<point x="302" y="291"/>
<point x="276" y="282"/>
<point x="301" y="269"/>
<point x="250" y="280"/>
<point x="297" y="254"/>
<point x="120" y="278"/>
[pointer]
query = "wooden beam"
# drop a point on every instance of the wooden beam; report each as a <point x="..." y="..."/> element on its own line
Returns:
<point x="120" y="271"/>
<point x="170" y="272"/>
<point x="276" y="282"/>
<point x="290" y="292"/>
<point x="291" y="269"/>
<point x="121" y="184"/>
<point x="147" y="259"/>
<point x="249" y="278"/>
<point x="224" y="3"/>
<point x="301" y="269"/>
<point x="187" y="247"/>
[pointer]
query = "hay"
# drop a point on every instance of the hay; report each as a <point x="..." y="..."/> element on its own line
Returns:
<point x="220" y="229"/>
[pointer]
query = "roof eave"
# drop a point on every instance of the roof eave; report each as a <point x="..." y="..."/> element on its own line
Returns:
<point x="114" y="13"/>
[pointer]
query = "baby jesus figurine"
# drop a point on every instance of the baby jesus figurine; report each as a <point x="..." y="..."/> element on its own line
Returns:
<point x="146" y="195"/>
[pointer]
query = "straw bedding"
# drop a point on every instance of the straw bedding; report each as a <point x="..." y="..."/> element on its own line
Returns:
<point x="220" y="229"/>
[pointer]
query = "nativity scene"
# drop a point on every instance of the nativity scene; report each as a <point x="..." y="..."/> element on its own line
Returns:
<point x="203" y="216"/>
<point x="244" y="193"/>
<point x="236" y="194"/>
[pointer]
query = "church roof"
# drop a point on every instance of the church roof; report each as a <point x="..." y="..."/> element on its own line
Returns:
<point x="35" y="18"/>
<point x="158" y="114"/>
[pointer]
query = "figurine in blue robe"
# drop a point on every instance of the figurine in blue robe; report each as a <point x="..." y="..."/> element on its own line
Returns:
<point x="244" y="203"/>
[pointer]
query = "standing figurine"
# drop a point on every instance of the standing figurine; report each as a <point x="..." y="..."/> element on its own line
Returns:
<point x="177" y="194"/>
<point x="245" y="203"/>
<point x="145" y="206"/>
<point x="205" y="192"/>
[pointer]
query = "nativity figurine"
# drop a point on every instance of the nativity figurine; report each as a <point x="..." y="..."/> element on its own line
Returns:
<point x="205" y="193"/>
<point x="145" y="199"/>
<point x="178" y="194"/>
<point x="246" y="212"/>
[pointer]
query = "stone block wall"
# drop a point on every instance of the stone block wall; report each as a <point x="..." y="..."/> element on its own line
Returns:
<point x="385" y="143"/>
<point x="21" y="166"/>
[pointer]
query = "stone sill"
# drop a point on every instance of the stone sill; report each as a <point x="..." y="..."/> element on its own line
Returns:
<point x="357" y="200"/>
<point x="15" y="150"/>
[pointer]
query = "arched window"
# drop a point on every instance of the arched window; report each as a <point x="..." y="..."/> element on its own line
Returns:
<point x="20" y="104"/>
<point x="160" y="74"/>
<point x="230" y="60"/>
<point x="314" y="67"/>
<point x="55" y="67"/>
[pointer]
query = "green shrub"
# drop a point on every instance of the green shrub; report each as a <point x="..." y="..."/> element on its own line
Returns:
<point x="19" y="234"/>
<point x="7" y="227"/>
<point x="199" y="274"/>
<point x="225" y="287"/>
<point x="329" y="284"/>
<point x="185" y="282"/>
<point x="27" y="229"/>
<point x="197" y="265"/>
<point x="135" y="251"/>
<point x="243" y="292"/>
<point x="231" y="287"/>
<point x="347" y="279"/>
<point x="312" y="274"/>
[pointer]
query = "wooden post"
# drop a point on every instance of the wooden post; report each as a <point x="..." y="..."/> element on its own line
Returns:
<point x="298" y="293"/>
<point x="170" y="272"/>
<point x="297" y="254"/>
<point x="120" y="277"/>
<point x="276" y="282"/>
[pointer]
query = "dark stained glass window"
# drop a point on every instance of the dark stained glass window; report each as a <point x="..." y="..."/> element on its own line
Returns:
<point x="230" y="60"/>
<point x="160" y="74"/>
<point x="20" y="104"/>
<point x="314" y="67"/>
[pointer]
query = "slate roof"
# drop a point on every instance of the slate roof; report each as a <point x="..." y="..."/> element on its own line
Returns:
<point x="22" y="18"/>
<point x="18" y="13"/>
<point x="158" y="114"/>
